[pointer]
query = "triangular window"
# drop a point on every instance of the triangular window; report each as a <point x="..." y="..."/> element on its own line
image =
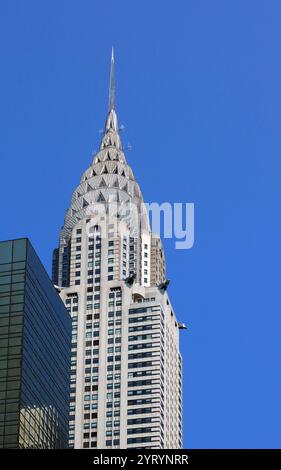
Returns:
<point x="100" y="198"/>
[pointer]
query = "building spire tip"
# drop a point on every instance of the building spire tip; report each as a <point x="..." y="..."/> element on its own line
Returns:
<point x="111" y="102"/>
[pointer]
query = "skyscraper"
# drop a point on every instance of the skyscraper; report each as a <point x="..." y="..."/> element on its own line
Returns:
<point x="126" y="372"/>
<point x="35" y="343"/>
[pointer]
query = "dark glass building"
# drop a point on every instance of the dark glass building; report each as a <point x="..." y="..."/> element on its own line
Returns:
<point x="35" y="342"/>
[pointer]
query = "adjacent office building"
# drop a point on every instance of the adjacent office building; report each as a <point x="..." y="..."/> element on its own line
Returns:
<point x="35" y="342"/>
<point x="126" y="368"/>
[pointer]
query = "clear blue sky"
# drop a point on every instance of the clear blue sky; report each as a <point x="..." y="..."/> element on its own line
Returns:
<point x="198" y="89"/>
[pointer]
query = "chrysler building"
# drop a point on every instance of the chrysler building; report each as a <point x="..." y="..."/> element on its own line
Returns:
<point x="126" y="368"/>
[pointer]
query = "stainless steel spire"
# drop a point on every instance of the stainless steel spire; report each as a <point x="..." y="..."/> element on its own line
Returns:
<point x="111" y="101"/>
<point x="111" y="136"/>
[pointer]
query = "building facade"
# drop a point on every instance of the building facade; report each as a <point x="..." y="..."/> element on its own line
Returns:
<point x="126" y="370"/>
<point x="35" y="346"/>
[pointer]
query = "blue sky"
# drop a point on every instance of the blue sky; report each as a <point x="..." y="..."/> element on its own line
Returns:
<point x="198" y="90"/>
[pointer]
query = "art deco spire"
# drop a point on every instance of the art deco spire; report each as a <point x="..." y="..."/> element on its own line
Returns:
<point x="111" y="101"/>
<point x="109" y="178"/>
<point x="111" y="136"/>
